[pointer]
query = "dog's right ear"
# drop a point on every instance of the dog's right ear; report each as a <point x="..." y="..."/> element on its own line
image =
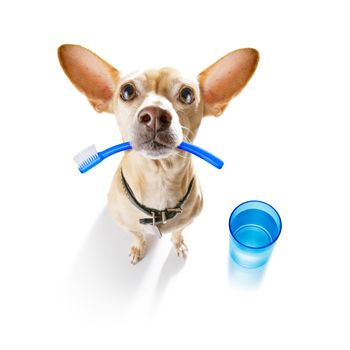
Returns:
<point x="90" y="74"/>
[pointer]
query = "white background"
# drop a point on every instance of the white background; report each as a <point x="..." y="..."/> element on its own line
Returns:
<point x="66" y="282"/>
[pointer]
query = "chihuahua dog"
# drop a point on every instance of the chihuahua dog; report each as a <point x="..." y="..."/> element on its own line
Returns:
<point x="156" y="110"/>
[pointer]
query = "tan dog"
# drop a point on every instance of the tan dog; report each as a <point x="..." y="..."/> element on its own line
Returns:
<point x="156" y="110"/>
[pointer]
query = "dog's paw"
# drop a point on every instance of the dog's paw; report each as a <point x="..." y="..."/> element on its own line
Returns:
<point x="136" y="253"/>
<point x="181" y="249"/>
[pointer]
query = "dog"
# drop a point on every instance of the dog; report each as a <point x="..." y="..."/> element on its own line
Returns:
<point x="156" y="110"/>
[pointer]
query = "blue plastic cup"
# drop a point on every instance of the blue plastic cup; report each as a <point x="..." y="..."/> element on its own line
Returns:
<point x="255" y="227"/>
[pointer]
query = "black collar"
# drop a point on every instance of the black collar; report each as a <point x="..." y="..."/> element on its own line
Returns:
<point x="157" y="216"/>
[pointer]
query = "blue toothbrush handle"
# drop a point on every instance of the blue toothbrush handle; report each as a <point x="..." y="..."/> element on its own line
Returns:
<point x="115" y="149"/>
<point x="89" y="158"/>
<point x="201" y="153"/>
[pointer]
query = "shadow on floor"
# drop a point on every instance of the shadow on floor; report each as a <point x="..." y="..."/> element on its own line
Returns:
<point x="172" y="266"/>
<point x="102" y="273"/>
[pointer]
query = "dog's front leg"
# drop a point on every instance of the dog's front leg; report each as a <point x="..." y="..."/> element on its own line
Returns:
<point x="138" y="247"/>
<point x="179" y="244"/>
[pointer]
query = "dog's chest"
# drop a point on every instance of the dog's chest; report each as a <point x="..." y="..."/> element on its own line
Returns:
<point x="161" y="194"/>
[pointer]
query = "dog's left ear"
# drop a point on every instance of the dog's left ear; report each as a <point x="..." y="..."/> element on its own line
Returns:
<point x="225" y="79"/>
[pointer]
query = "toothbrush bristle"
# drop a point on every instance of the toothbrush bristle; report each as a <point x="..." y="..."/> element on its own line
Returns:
<point x="86" y="157"/>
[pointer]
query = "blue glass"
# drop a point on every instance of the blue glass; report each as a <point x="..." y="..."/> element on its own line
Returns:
<point x="255" y="227"/>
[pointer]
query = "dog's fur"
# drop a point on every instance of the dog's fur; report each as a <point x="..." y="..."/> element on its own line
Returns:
<point x="158" y="173"/>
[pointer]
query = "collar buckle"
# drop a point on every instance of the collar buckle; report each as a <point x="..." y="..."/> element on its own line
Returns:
<point x="157" y="216"/>
<point x="177" y="210"/>
<point x="164" y="220"/>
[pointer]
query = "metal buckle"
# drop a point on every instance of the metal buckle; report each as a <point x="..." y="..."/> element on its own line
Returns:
<point x="178" y="210"/>
<point x="163" y="217"/>
<point x="155" y="227"/>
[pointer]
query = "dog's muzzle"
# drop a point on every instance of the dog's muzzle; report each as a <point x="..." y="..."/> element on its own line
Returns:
<point x="154" y="131"/>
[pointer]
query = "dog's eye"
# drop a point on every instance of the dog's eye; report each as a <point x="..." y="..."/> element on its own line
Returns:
<point x="128" y="92"/>
<point x="186" y="95"/>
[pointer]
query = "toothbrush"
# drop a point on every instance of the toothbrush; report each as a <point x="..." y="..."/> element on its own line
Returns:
<point x="89" y="157"/>
<point x="201" y="153"/>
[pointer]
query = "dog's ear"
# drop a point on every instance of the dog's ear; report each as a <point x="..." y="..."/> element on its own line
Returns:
<point x="90" y="74"/>
<point x="225" y="79"/>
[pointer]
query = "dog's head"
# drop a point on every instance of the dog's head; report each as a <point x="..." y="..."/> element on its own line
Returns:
<point x="157" y="109"/>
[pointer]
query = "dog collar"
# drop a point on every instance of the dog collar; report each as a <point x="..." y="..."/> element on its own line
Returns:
<point x="157" y="217"/>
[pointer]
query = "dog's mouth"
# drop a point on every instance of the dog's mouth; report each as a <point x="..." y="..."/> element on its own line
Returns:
<point x="159" y="146"/>
<point x="153" y="145"/>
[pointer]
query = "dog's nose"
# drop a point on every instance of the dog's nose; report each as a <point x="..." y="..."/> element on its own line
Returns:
<point x="155" y="118"/>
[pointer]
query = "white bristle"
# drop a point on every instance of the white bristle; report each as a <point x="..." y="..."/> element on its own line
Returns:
<point x="87" y="156"/>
